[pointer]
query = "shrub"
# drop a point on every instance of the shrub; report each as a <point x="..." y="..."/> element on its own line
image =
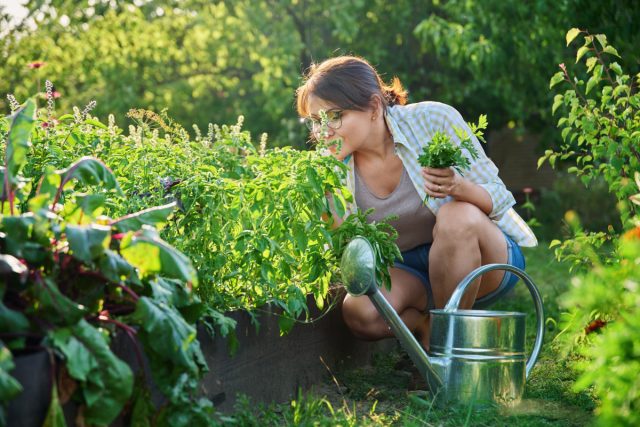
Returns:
<point x="601" y="129"/>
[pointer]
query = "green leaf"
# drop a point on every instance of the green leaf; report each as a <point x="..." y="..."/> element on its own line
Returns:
<point x="557" y="78"/>
<point x="90" y="171"/>
<point x="615" y="67"/>
<point x="155" y="217"/>
<point x="557" y="102"/>
<point x="339" y="204"/>
<point x="611" y="51"/>
<point x="174" y="292"/>
<point x="36" y="203"/>
<point x="88" y="243"/>
<point x="152" y="255"/>
<point x="143" y="408"/>
<point x="312" y="176"/>
<point x="285" y="323"/>
<point x="9" y="386"/>
<point x="49" y="182"/>
<point x="170" y="342"/>
<point x="593" y="80"/>
<point x="571" y="35"/>
<point x="114" y="267"/>
<point x="12" y="321"/>
<point x="581" y="52"/>
<point x="107" y="381"/>
<point x="602" y="39"/>
<point x="55" y="415"/>
<point x="53" y="305"/>
<point x="619" y="90"/>
<point x="96" y="123"/>
<point x="554" y="243"/>
<point x="18" y="143"/>
<point x="541" y="161"/>
<point x="591" y="62"/>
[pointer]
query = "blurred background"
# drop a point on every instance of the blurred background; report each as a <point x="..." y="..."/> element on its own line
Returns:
<point x="211" y="61"/>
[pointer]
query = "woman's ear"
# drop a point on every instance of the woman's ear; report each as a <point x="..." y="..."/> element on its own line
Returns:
<point x="377" y="106"/>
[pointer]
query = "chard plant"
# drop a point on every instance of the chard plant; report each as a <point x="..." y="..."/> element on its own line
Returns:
<point x="74" y="279"/>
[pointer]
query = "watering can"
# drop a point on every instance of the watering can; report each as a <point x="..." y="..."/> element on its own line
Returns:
<point x="475" y="356"/>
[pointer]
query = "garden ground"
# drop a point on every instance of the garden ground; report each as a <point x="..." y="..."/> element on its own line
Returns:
<point x="380" y="394"/>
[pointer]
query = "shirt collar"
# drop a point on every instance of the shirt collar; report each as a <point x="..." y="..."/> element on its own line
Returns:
<point x="392" y="123"/>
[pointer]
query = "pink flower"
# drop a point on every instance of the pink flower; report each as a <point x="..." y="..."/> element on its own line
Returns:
<point x="527" y="190"/>
<point x="56" y="94"/>
<point x="36" y="65"/>
<point x="49" y="124"/>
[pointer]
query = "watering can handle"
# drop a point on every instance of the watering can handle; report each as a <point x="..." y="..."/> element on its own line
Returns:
<point x="454" y="301"/>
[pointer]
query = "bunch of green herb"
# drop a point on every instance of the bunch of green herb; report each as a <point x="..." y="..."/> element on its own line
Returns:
<point x="441" y="152"/>
<point x="381" y="235"/>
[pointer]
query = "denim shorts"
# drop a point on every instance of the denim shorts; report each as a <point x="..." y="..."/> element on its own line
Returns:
<point x="416" y="262"/>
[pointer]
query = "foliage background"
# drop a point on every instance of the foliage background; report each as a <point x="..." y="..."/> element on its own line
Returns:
<point x="211" y="61"/>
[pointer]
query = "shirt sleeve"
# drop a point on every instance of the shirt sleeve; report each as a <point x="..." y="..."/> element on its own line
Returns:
<point x="483" y="171"/>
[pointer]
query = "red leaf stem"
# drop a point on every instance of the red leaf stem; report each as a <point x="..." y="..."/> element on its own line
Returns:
<point x="131" y="333"/>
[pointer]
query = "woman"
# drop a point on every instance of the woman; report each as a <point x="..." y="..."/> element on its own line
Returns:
<point x="467" y="221"/>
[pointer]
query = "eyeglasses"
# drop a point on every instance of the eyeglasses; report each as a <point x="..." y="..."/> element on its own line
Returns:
<point x="334" y="120"/>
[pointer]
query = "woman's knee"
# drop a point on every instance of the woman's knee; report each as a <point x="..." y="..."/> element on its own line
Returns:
<point x="458" y="220"/>
<point x="362" y="318"/>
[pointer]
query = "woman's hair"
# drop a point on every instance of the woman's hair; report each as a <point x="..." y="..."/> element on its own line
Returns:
<point x="348" y="82"/>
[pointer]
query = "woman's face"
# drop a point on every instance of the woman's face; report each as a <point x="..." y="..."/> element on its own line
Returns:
<point x="351" y="126"/>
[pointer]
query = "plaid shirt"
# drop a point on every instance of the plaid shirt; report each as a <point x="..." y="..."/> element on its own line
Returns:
<point x="412" y="126"/>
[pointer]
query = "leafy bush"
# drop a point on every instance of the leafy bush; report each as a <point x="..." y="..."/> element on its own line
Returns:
<point x="72" y="279"/>
<point x="603" y="325"/>
<point x="600" y="131"/>
<point x="601" y="128"/>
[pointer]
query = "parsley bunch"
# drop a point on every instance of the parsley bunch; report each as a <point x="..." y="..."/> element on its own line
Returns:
<point x="441" y="152"/>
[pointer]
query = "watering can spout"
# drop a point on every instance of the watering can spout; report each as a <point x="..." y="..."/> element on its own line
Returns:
<point x="358" y="275"/>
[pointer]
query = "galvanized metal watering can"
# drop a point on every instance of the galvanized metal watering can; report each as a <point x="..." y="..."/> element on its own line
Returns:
<point x="475" y="356"/>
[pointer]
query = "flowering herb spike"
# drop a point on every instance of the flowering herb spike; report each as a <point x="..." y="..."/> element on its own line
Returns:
<point x="322" y="142"/>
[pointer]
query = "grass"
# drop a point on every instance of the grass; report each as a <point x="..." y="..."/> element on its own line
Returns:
<point x="378" y="395"/>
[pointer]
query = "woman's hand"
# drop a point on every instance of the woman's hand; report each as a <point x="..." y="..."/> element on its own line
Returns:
<point x="440" y="183"/>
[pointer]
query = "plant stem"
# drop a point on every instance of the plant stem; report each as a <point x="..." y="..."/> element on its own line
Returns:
<point x="131" y="333"/>
<point x="130" y="291"/>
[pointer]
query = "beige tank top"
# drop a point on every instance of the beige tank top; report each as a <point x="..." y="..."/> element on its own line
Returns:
<point x="415" y="221"/>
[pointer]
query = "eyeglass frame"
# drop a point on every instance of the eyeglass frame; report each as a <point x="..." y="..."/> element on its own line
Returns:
<point x="313" y="124"/>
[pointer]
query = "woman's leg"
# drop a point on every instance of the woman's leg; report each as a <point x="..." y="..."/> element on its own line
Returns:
<point x="407" y="296"/>
<point x="464" y="238"/>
